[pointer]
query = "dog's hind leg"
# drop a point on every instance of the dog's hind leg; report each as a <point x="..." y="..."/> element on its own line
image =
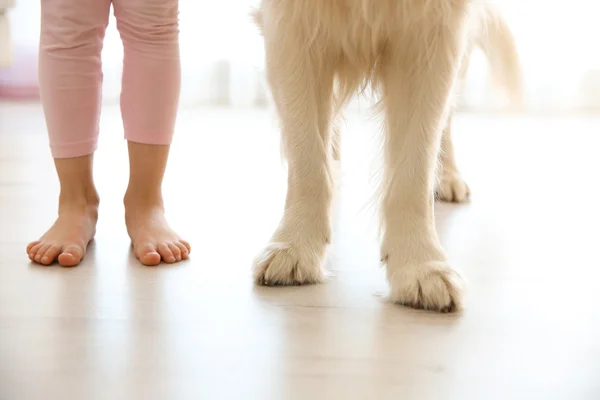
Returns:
<point x="450" y="187"/>
<point x="303" y="89"/>
<point x="418" y="77"/>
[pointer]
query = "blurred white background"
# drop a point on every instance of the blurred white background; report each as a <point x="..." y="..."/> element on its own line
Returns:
<point x="222" y="54"/>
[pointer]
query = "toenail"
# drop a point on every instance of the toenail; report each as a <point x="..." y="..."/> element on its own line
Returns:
<point x="45" y="259"/>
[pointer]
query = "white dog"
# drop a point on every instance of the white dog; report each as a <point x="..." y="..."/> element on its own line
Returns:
<point x="413" y="53"/>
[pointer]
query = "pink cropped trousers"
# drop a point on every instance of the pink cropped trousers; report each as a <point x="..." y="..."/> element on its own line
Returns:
<point x="70" y="73"/>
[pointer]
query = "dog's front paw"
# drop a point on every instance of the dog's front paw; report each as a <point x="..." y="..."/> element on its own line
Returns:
<point x="431" y="286"/>
<point x="452" y="188"/>
<point x="290" y="264"/>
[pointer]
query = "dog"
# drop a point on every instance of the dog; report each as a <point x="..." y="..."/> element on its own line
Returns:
<point x="413" y="54"/>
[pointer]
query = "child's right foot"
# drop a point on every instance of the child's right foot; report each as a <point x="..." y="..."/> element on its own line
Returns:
<point x="66" y="241"/>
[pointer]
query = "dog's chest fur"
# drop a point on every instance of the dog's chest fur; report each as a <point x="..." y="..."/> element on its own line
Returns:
<point x="357" y="21"/>
<point x="358" y="31"/>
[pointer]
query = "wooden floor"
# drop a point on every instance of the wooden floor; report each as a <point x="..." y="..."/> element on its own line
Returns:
<point x="111" y="329"/>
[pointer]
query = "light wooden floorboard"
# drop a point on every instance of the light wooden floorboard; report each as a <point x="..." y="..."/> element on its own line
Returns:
<point x="112" y="329"/>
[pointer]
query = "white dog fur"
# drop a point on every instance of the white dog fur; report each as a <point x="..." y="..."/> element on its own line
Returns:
<point x="413" y="53"/>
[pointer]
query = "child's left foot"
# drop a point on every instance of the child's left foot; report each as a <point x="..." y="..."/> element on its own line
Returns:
<point x="152" y="238"/>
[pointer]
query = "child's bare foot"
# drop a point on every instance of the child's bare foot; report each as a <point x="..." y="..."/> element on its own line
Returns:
<point x="66" y="241"/>
<point x="152" y="238"/>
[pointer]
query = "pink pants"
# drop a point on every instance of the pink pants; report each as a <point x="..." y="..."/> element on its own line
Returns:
<point x="70" y="72"/>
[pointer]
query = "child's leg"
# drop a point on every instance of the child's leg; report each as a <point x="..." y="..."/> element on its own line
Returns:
<point x="149" y="99"/>
<point x="70" y="80"/>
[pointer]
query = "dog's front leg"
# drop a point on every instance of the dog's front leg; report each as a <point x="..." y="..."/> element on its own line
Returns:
<point x="302" y="91"/>
<point x="418" y="78"/>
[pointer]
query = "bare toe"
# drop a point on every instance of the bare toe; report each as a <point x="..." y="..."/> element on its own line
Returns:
<point x="166" y="253"/>
<point x="185" y="254"/>
<point x="70" y="256"/>
<point x="50" y="255"/>
<point x="187" y="246"/>
<point x="151" y="258"/>
<point x="41" y="251"/>
<point x="176" y="251"/>
<point x="147" y="254"/>
<point x="34" y="250"/>
<point x="31" y="245"/>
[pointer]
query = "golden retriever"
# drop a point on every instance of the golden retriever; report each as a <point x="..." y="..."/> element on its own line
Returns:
<point x="413" y="53"/>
